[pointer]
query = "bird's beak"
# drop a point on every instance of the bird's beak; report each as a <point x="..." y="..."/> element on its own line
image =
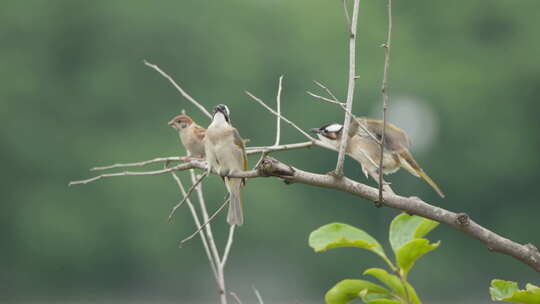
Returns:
<point x="170" y="123"/>
<point x="315" y="130"/>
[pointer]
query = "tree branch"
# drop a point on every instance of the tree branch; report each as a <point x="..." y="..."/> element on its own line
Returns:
<point x="350" y="89"/>
<point x="271" y="167"/>
<point x="384" y="92"/>
<point x="278" y="119"/>
<point x="198" y="226"/>
<point x="527" y="254"/>
<point x="184" y="93"/>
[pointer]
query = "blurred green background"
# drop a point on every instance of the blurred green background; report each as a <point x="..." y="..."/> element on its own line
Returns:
<point x="464" y="82"/>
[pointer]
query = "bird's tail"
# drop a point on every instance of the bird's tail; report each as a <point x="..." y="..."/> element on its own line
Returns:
<point x="408" y="162"/>
<point x="235" y="215"/>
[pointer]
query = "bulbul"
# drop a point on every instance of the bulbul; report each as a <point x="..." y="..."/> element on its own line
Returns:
<point x="226" y="153"/>
<point x="191" y="135"/>
<point x="365" y="150"/>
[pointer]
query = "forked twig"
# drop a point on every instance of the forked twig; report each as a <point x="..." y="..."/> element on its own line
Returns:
<point x="280" y="116"/>
<point x="190" y="190"/>
<point x="205" y="223"/>
<point x="213" y="263"/>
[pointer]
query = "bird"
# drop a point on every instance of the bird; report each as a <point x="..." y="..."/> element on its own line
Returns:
<point x="191" y="135"/>
<point x="226" y="154"/>
<point x="363" y="148"/>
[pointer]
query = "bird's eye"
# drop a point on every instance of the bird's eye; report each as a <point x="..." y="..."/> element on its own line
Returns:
<point x="179" y="121"/>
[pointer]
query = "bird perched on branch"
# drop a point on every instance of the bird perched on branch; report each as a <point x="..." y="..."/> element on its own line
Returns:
<point x="363" y="147"/>
<point x="226" y="153"/>
<point x="191" y="134"/>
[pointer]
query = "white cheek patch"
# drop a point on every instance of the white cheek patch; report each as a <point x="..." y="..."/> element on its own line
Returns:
<point x="334" y="127"/>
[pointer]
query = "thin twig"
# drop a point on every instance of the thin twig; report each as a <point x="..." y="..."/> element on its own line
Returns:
<point x="205" y="223"/>
<point x="213" y="264"/>
<point x="343" y="106"/>
<point x="263" y="155"/>
<point x="350" y="90"/>
<point x="210" y="237"/>
<point x="139" y="164"/>
<point x="236" y="298"/>
<point x="278" y="120"/>
<point x="280" y="116"/>
<point x="256" y="150"/>
<point x="184" y="93"/>
<point x="205" y="174"/>
<point x="249" y="151"/>
<point x="228" y="247"/>
<point x="346" y="10"/>
<point x="384" y="91"/>
<point x="328" y="91"/>
<point x="129" y="173"/>
<point x="258" y="294"/>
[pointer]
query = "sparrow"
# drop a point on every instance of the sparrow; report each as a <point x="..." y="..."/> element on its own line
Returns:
<point x="226" y="153"/>
<point x="191" y="135"/>
<point x="365" y="150"/>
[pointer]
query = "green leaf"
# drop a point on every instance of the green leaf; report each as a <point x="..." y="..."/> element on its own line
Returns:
<point x="501" y="290"/>
<point x="342" y="235"/>
<point x="394" y="283"/>
<point x="411" y="251"/>
<point x="375" y="298"/>
<point x="348" y="290"/>
<point x="405" y="228"/>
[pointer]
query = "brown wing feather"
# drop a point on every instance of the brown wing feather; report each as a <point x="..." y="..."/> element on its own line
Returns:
<point x="199" y="132"/>
<point x="395" y="139"/>
<point x="239" y="142"/>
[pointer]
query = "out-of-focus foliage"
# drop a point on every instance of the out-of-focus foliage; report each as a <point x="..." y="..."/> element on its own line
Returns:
<point x="464" y="82"/>
<point x="406" y="236"/>
<point x="509" y="291"/>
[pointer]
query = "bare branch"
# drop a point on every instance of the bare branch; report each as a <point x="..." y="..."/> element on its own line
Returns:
<point x="384" y="91"/>
<point x="527" y="254"/>
<point x="228" y="247"/>
<point x="206" y="223"/>
<point x="256" y="150"/>
<point x="347" y="14"/>
<point x="343" y="106"/>
<point x="130" y="173"/>
<point x="280" y="116"/>
<point x="139" y="164"/>
<point x="328" y="92"/>
<point x="350" y="90"/>
<point x="184" y="93"/>
<point x="210" y="237"/>
<point x="278" y="120"/>
<point x="258" y="294"/>
<point x="205" y="174"/>
<point x="213" y="263"/>
<point x="249" y="151"/>
<point x="236" y="298"/>
<point x="412" y="205"/>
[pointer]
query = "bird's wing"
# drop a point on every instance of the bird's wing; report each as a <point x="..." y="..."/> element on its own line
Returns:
<point x="395" y="138"/>
<point x="199" y="132"/>
<point x="239" y="142"/>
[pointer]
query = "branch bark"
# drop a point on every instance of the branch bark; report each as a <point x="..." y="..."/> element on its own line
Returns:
<point x="384" y="92"/>
<point x="270" y="167"/>
<point x="350" y="89"/>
